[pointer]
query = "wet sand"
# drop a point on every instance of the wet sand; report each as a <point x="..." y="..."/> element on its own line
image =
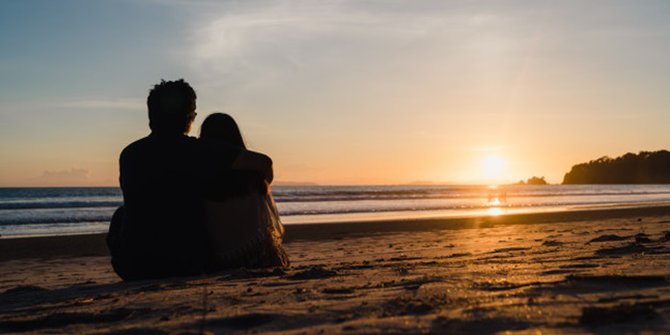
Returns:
<point x="578" y="272"/>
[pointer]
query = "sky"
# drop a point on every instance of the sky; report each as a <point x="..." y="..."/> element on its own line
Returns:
<point x="339" y="92"/>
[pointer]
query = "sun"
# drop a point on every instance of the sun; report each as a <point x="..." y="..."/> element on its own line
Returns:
<point x="493" y="167"/>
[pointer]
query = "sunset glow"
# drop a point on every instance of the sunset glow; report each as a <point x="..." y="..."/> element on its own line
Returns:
<point x="335" y="166"/>
<point x="345" y="92"/>
<point x="493" y="167"/>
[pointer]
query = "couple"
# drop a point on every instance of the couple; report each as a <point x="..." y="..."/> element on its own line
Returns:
<point x="192" y="206"/>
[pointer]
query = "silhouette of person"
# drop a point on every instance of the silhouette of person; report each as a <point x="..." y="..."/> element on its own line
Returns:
<point x="159" y="231"/>
<point x="239" y="212"/>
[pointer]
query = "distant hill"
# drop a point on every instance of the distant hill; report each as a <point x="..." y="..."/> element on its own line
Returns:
<point x="643" y="168"/>
<point x="293" y="183"/>
<point x="533" y="181"/>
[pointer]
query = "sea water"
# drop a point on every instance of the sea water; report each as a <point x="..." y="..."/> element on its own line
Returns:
<point x="64" y="211"/>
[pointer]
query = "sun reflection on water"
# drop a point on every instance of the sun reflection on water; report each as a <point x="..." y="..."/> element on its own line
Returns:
<point x="496" y="199"/>
<point x="494" y="211"/>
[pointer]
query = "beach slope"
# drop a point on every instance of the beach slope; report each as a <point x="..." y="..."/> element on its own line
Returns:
<point x="606" y="273"/>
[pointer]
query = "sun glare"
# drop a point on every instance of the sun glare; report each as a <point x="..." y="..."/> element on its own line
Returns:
<point x="493" y="167"/>
<point x="494" y="211"/>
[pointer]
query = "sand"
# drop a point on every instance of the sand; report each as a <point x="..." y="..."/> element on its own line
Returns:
<point x="578" y="272"/>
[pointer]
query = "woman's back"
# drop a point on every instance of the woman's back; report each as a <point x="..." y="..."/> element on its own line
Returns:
<point x="242" y="219"/>
<point x="244" y="228"/>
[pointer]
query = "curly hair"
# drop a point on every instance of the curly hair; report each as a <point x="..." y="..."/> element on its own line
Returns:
<point x="171" y="106"/>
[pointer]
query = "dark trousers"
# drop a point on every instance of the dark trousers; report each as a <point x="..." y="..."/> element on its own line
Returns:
<point x="139" y="261"/>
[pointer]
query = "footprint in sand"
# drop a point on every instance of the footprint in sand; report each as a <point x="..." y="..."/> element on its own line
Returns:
<point x="552" y="243"/>
<point x="608" y="238"/>
<point x="25" y="289"/>
<point x="622" y="313"/>
<point x="245" y="321"/>
<point x="315" y="272"/>
<point x="630" y="249"/>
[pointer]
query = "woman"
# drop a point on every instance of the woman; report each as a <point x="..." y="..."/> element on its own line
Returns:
<point x="240" y="214"/>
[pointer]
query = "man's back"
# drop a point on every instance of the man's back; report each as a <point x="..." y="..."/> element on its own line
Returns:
<point x="162" y="178"/>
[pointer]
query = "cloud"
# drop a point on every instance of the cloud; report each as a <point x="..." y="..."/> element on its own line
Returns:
<point x="261" y="43"/>
<point x="92" y="103"/>
<point x="75" y="103"/>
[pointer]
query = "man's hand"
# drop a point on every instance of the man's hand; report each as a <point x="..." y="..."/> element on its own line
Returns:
<point x="254" y="161"/>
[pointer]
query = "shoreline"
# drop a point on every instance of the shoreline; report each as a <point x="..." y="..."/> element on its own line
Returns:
<point x="90" y="245"/>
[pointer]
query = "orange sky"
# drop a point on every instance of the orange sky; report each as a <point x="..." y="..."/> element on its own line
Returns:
<point x="350" y="92"/>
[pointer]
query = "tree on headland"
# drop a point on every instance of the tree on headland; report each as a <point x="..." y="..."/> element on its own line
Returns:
<point x="643" y="168"/>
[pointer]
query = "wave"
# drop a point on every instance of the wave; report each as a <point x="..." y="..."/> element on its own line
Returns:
<point x="55" y="205"/>
<point x="460" y="208"/>
<point x="46" y="217"/>
<point x="427" y="196"/>
<point x="54" y="220"/>
<point x="106" y="214"/>
<point x="46" y="206"/>
<point x="11" y="199"/>
<point x="282" y="197"/>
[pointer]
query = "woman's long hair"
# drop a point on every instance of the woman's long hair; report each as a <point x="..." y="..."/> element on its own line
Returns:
<point x="222" y="126"/>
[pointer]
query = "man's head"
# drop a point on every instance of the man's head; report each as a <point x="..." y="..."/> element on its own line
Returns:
<point x="171" y="107"/>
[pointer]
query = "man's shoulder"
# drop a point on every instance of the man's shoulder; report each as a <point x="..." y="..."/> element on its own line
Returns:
<point x="135" y="147"/>
<point x="151" y="142"/>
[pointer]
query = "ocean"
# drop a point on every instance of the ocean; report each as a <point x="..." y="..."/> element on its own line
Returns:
<point x="66" y="211"/>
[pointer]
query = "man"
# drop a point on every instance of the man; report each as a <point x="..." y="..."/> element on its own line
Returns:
<point x="159" y="232"/>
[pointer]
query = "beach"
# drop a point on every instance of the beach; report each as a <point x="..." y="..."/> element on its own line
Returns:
<point x="590" y="271"/>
